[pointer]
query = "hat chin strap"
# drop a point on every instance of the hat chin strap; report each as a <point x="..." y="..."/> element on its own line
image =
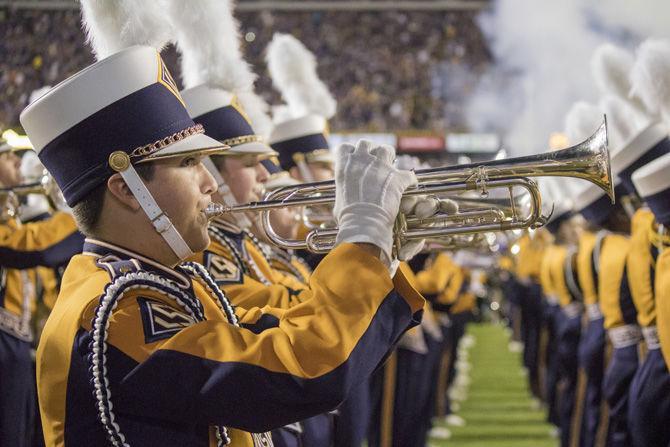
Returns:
<point x="158" y="218"/>
<point x="223" y="189"/>
<point x="305" y="172"/>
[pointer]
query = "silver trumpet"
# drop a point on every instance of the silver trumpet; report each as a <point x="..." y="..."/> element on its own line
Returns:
<point x="46" y="186"/>
<point x="588" y="160"/>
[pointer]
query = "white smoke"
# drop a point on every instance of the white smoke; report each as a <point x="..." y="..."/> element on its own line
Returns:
<point x="542" y="53"/>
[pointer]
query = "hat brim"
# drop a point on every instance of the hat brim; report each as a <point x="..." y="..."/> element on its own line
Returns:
<point x="252" y="148"/>
<point x="194" y="144"/>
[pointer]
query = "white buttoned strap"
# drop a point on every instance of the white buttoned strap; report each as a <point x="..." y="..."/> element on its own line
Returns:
<point x="158" y="218"/>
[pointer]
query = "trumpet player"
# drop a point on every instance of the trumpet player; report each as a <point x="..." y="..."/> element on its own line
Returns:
<point x="23" y="246"/>
<point x="615" y="303"/>
<point x="560" y="286"/>
<point x="649" y="247"/>
<point x="186" y="379"/>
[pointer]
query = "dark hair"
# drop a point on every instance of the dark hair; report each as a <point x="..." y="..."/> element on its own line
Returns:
<point x="88" y="210"/>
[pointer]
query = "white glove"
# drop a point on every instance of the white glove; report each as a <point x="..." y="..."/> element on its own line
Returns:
<point x="422" y="207"/>
<point x="368" y="190"/>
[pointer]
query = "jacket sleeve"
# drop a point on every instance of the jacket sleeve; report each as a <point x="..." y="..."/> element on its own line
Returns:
<point x="50" y="243"/>
<point x="282" y="366"/>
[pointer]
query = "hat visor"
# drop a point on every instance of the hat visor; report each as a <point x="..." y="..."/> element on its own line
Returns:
<point x="195" y="144"/>
<point x="252" y="148"/>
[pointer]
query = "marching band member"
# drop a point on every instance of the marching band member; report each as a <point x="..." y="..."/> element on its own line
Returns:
<point x="615" y="303"/>
<point x="527" y="305"/>
<point x="110" y="336"/>
<point x="651" y="399"/>
<point x="300" y="132"/>
<point x="648" y="406"/>
<point x="215" y="72"/>
<point x="580" y="121"/>
<point x="557" y="279"/>
<point x="50" y="242"/>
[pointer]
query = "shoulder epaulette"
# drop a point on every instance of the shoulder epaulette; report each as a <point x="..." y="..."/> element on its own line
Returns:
<point x="118" y="267"/>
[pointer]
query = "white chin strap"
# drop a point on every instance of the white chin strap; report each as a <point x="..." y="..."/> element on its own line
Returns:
<point x="223" y="189"/>
<point x="159" y="219"/>
<point x="305" y="172"/>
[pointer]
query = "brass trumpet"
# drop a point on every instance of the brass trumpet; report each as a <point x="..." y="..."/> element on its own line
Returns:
<point x="588" y="160"/>
<point x="47" y="187"/>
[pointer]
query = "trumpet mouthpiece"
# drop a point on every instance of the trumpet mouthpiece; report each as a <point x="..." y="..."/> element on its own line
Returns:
<point x="214" y="210"/>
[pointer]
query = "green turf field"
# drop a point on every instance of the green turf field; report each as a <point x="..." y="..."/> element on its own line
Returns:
<point x="498" y="410"/>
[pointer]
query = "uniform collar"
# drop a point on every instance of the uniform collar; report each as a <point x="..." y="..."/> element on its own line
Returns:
<point x="99" y="249"/>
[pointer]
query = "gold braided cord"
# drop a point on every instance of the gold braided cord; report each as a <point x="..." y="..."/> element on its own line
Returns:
<point x="242" y="139"/>
<point x="149" y="149"/>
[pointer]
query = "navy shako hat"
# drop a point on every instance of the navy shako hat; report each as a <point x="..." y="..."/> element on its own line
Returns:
<point x="556" y="223"/>
<point x="649" y="144"/>
<point x="562" y="213"/>
<point x="123" y="109"/>
<point x="594" y="204"/>
<point x="653" y="184"/>
<point x="224" y="119"/>
<point x="301" y="139"/>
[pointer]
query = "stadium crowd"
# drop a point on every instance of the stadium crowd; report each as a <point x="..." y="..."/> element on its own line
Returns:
<point x="389" y="82"/>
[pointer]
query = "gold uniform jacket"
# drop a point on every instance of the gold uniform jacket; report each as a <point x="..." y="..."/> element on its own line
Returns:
<point x="173" y="367"/>
<point x="559" y="275"/>
<point x="641" y="265"/>
<point x="662" y="288"/>
<point x="51" y="242"/>
<point x="616" y="303"/>
<point x="530" y="256"/>
<point x="586" y="268"/>
<point x="552" y="273"/>
<point x="239" y="266"/>
<point x="440" y="282"/>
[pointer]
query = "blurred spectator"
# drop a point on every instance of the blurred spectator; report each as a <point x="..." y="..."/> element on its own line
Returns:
<point x="388" y="70"/>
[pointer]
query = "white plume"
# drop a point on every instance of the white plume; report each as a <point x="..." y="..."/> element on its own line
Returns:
<point x="611" y="66"/>
<point x="581" y="121"/>
<point x="623" y="121"/>
<point x="208" y="39"/>
<point x="112" y="25"/>
<point x="258" y="111"/>
<point x="35" y="94"/>
<point x="281" y="113"/>
<point x="651" y="75"/>
<point x="293" y="70"/>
